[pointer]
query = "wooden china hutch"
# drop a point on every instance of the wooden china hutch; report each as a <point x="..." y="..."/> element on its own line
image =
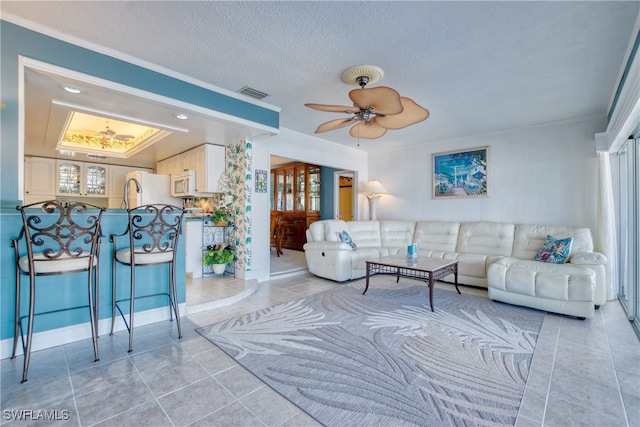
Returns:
<point x="296" y="192"/>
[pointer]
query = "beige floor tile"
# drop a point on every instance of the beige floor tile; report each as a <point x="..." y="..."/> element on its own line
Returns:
<point x="193" y="402"/>
<point x="233" y="415"/>
<point x="147" y="414"/>
<point x="271" y="408"/>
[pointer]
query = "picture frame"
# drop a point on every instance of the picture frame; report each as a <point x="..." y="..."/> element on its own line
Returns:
<point x="261" y="181"/>
<point x="461" y="174"/>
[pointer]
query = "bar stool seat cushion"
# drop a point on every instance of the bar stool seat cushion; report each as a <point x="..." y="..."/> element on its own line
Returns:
<point x="63" y="264"/>
<point x="143" y="257"/>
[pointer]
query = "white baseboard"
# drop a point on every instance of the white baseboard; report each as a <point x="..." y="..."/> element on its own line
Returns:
<point x="68" y="334"/>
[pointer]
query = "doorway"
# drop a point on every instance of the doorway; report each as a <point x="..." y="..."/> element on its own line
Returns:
<point x="345" y="192"/>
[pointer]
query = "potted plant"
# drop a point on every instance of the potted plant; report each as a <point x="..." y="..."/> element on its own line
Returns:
<point x="218" y="256"/>
<point x="220" y="217"/>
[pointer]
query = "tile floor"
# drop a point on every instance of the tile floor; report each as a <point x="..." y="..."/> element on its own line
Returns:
<point x="583" y="373"/>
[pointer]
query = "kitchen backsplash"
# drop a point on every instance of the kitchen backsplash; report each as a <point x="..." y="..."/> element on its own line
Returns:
<point x="207" y="204"/>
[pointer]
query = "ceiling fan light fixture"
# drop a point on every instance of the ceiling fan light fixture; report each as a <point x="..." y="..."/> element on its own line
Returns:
<point x="356" y="75"/>
<point x="375" y="110"/>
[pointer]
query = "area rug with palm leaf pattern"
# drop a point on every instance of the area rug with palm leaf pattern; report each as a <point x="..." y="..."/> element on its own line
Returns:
<point x="384" y="358"/>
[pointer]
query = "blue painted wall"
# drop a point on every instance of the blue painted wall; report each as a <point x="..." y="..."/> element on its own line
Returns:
<point x="327" y="204"/>
<point x="61" y="291"/>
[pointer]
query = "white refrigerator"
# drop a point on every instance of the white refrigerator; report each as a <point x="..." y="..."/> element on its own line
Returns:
<point x="156" y="189"/>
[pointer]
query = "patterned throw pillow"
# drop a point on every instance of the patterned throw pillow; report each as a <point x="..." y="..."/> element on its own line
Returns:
<point x="554" y="250"/>
<point x="345" y="238"/>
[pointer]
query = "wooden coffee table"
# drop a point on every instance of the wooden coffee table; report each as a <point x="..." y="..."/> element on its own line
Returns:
<point x="422" y="268"/>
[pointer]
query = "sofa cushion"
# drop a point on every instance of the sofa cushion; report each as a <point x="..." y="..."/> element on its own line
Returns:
<point x="529" y="238"/>
<point x="554" y="250"/>
<point x="488" y="238"/>
<point x="475" y="265"/>
<point x="366" y="234"/>
<point x="436" y="236"/>
<point x="562" y="282"/>
<point x="397" y="234"/>
<point x="315" y="232"/>
<point x="332" y="228"/>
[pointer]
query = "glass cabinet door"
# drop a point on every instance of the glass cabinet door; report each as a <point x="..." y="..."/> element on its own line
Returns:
<point x="288" y="197"/>
<point x="280" y="190"/>
<point x="271" y="191"/>
<point x="96" y="180"/>
<point x="69" y="178"/>
<point x="300" y="185"/>
<point x="314" y="189"/>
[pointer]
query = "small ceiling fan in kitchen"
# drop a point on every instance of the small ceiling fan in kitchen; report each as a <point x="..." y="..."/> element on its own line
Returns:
<point x="375" y="110"/>
<point x="108" y="134"/>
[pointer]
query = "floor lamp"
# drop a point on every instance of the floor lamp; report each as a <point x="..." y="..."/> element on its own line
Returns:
<point x="373" y="190"/>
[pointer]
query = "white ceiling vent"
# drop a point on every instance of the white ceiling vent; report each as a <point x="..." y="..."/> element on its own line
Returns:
<point x="254" y="93"/>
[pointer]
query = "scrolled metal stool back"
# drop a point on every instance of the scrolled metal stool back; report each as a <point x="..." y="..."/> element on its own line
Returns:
<point x="155" y="228"/>
<point x="62" y="229"/>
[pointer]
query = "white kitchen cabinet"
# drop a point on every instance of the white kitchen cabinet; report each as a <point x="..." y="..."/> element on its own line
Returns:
<point x="207" y="160"/>
<point x="79" y="179"/>
<point x="189" y="160"/>
<point x="39" y="179"/>
<point x="210" y="165"/>
<point x="163" y="167"/>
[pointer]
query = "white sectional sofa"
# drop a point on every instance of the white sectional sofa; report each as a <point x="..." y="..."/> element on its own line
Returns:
<point x="497" y="256"/>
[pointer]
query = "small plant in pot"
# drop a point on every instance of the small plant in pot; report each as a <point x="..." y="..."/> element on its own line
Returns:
<point x="218" y="256"/>
<point x="220" y="217"/>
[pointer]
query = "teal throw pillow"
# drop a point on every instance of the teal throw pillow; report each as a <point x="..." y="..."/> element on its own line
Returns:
<point x="554" y="250"/>
<point x="345" y="238"/>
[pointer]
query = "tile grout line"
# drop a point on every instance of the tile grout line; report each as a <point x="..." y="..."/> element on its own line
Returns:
<point x="615" y="370"/>
<point x="553" y="365"/>
<point x="73" y="392"/>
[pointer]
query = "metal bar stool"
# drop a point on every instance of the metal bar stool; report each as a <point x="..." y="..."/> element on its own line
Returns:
<point x="153" y="232"/>
<point x="61" y="237"/>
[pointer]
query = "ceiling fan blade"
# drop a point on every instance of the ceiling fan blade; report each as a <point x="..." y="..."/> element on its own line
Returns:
<point x="334" y="108"/>
<point x="371" y="130"/>
<point x="412" y="114"/>
<point x="384" y="100"/>
<point x="334" y="124"/>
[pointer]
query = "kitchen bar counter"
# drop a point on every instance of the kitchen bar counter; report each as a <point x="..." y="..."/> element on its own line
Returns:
<point x="53" y="292"/>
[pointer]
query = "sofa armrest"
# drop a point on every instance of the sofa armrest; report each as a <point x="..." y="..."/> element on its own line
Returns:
<point x="588" y="258"/>
<point x="325" y="245"/>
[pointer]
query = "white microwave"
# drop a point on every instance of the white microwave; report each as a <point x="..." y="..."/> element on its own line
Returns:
<point x="184" y="184"/>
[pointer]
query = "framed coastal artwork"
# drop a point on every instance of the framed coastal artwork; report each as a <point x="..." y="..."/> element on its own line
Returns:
<point x="261" y="181"/>
<point x="461" y="174"/>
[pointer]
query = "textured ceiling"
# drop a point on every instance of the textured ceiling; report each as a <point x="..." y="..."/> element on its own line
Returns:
<point x="477" y="66"/>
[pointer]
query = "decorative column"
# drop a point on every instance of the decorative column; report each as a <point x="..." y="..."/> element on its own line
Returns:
<point x="238" y="168"/>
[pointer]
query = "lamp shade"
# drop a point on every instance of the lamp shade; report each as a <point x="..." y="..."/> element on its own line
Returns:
<point x="373" y="187"/>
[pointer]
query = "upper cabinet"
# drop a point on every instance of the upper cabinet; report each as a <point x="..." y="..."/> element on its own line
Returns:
<point x="39" y="179"/>
<point x="210" y="164"/>
<point x="207" y="160"/>
<point x="79" y="179"/>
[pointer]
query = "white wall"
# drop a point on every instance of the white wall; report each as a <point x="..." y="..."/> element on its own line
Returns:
<point x="300" y="147"/>
<point x="540" y="175"/>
